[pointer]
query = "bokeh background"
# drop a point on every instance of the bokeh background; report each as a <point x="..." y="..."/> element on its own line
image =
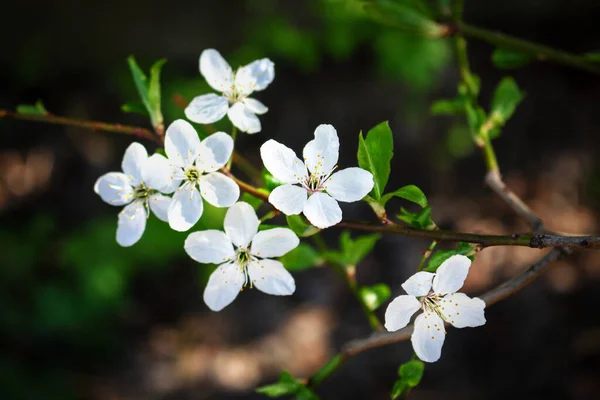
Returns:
<point x="82" y="318"/>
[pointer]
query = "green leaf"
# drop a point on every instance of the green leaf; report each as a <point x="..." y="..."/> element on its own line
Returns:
<point x="408" y="15"/>
<point x="437" y="258"/>
<point x="255" y="202"/>
<point x="506" y="98"/>
<point x="508" y="59"/>
<point x="476" y="117"/>
<point x="300" y="226"/>
<point x="135" y="107"/>
<point x="408" y="192"/>
<point x="355" y="250"/>
<point x="411" y="372"/>
<point x="421" y="220"/>
<point x="399" y="389"/>
<point x="375" y="154"/>
<point x="302" y="257"/>
<point x="286" y="385"/>
<point x="269" y="180"/>
<point x="448" y="107"/>
<point x="593" y="57"/>
<point x="149" y="91"/>
<point x="32" y="109"/>
<point x="374" y="296"/>
<point x="305" y="393"/>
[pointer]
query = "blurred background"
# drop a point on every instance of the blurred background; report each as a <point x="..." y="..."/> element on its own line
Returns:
<point x="82" y="318"/>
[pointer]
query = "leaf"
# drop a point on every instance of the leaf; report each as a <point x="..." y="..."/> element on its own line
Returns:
<point x="421" y="220"/>
<point x="448" y="107"/>
<point x="409" y="15"/>
<point x="375" y="153"/>
<point x="399" y="389"/>
<point x="476" y="117"/>
<point x="408" y="192"/>
<point x="508" y="59"/>
<point x="593" y="57"/>
<point x="437" y="258"/>
<point x="302" y="257"/>
<point x="411" y="372"/>
<point x="255" y="202"/>
<point x="506" y="98"/>
<point x="32" y="109"/>
<point x="149" y="91"/>
<point x="287" y="384"/>
<point x="300" y="226"/>
<point x="374" y="296"/>
<point x="305" y="393"/>
<point x="135" y="107"/>
<point x="269" y="180"/>
<point x="355" y="250"/>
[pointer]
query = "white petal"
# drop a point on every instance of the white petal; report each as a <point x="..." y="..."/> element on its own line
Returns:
<point x="181" y="143"/>
<point x="419" y="284"/>
<point x="207" y="108"/>
<point x="289" y="199"/>
<point x="209" y="246"/>
<point x="398" y="313"/>
<point x="159" y="174"/>
<point x="219" y="190"/>
<point x="462" y="311"/>
<point x="132" y="222"/>
<point x="271" y="277"/>
<point x="428" y="337"/>
<point x="159" y="205"/>
<point x="223" y="286"/>
<point x="216" y="70"/>
<point x="282" y="163"/>
<point x="451" y="275"/>
<point x="274" y="242"/>
<point x="255" y="106"/>
<point x="241" y="224"/>
<point x="255" y="76"/>
<point x="322" y="210"/>
<point x="214" y="152"/>
<point x="321" y="153"/>
<point x="185" y="208"/>
<point x="114" y="188"/>
<point x="350" y="184"/>
<point x="244" y="119"/>
<point x="133" y="161"/>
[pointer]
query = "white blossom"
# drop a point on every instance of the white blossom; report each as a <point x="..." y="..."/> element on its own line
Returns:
<point x="314" y="191"/>
<point x="191" y="172"/>
<point x="244" y="257"/>
<point x="133" y="189"/>
<point x="435" y="294"/>
<point x="235" y="87"/>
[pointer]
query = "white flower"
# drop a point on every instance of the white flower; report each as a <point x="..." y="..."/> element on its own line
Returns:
<point x="235" y="88"/>
<point x="244" y="257"/>
<point x="190" y="172"/>
<point x="319" y="187"/>
<point x="435" y="294"/>
<point x="133" y="188"/>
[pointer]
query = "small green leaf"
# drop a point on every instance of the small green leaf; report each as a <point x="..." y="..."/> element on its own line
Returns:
<point x="32" y="109"/>
<point x="300" y="226"/>
<point x="149" y="91"/>
<point x="408" y="15"/>
<point x="269" y="180"/>
<point x="135" y="107"/>
<point x="476" y="117"/>
<point x="255" y="202"/>
<point x="448" y="107"/>
<point x="399" y="388"/>
<point x="286" y="385"/>
<point x="593" y="57"/>
<point x="302" y="257"/>
<point x="375" y="154"/>
<point x="508" y="59"/>
<point x="437" y="258"/>
<point x="421" y="220"/>
<point x="408" y="192"/>
<point x="374" y="296"/>
<point x="411" y="372"/>
<point x="355" y="250"/>
<point x="305" y="393"/>
<point x="506" y="98"/>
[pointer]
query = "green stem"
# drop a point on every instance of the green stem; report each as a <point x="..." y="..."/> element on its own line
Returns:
<point x="326" y="370"/>
<point x="488" y="151"/>
<point x="269" y="215"/>
<point x="426" y="255"/>
<point x="233" y="136"/>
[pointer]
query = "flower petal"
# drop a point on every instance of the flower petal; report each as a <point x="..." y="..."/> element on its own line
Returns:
<point x="133" y="161"/>
<point x="159" y="174"/>
<point x="216" y="70"/>
<point x="255" y="106"/>
<point x="219" y="190"/>
<point x="159" y="205"/>
<point x="214" y="152"/>
<point x="241" y="224"/>
<point x="274" y="242"/>
<point x="223" y="286"/>
<point x="132" y="223"/>
<point x="282" y="163"/>
<point x="322" y="210"/>
<point x="181" y="143"/>
<point x="243" y="118"/>
<point x="289" y="199"/>
<point x="428" y="337"/>
<point x="210" y="246"/>
<point x="419" y="284"/>
<point x="114" y="188"/>
<point x="207" y="108"/>
<point x="185" y="208"/>
<point x="321" y="153"/>
<point x="398" y="313"/>
<point x="350" y="184"/>
<point x="462" y="311"/>
<point x="451" y="275"/>
<point x="271" y="277"/>
<point x="255" y="76"/>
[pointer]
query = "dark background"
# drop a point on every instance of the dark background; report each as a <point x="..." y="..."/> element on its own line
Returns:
<point x="82" y="318"/>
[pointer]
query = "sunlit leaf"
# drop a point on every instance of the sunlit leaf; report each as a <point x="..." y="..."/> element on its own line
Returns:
<point x="302" y="257"/>
<point x="374" y="296"/>
<point x="32" y="109"/>
<point x="375" y="153"/>
<point x="506" y="98"/>
<point x="408" y="192"/>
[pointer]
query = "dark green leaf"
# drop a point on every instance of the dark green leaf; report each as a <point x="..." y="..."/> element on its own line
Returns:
<point x="135" y="107"/>
<point x="302" y="257"/>
<point x="476" y="117"/>
<point x="421" y="220"/>
<point x="506" y="98"/>
<point x="408" y="192"/>
<point x="141" y="82"/>
<point x="507" y="59"/>
<point x="154" y="92"/>
<point x="411" y="372"/>
<point x="32" y="109"/>
<point x="355" y="250"/>
<point x="593" y="57"/>
<point x="448" y="107"/>
<point x="437" y="258"/>
<point x="374" y="296"/>
<point x="255" y="202"/>
<point x="300" y="226"/>
<point x="408" y="15"/>
<point x="399" y="388"/>
<point x="375" y="153"/>
<point x="305" y="393"/>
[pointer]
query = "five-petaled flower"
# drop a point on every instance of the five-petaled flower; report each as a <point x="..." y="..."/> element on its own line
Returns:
<point x="133" y="187"/>
<point x="235" y="88"/>
<point x="191" y="172"/>
<point x="244" y="257"/>
<point x="435" y="294"/>
<point x="316" y="191"/>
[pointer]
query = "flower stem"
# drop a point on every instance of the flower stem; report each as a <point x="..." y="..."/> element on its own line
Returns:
<point x="323" y="373"/>
<point x="269" y="215"/>
<point x="426" y="255"/>
<point x="233" y="136"/>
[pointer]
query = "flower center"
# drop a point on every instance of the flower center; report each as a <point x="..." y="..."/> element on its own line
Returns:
<point x="316" y="182"/>
<point x="432" y="303"/>
<point x="141" y="192"/>
<point x="243" y="257"/>
<point x="193" y="174"/>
